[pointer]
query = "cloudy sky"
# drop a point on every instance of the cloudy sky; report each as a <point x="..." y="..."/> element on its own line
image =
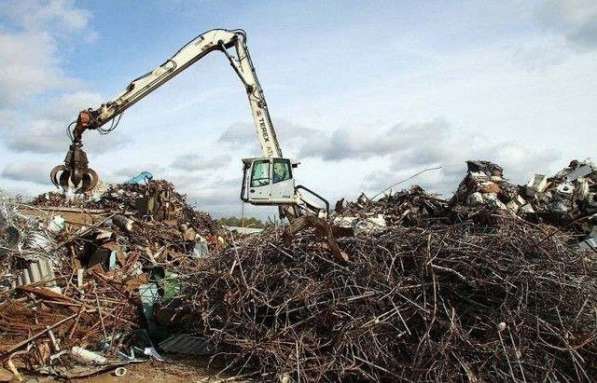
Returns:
<point x="363" y="93"/>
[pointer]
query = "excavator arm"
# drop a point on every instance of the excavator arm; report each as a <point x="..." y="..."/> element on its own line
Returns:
<point x="214" y="40"/>
<point x="275" y="189"/>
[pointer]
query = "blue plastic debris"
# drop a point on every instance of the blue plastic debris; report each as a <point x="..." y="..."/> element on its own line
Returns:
<point x="140" y="179"/>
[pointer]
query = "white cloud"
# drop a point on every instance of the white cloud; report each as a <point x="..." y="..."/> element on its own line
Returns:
<point x="215" y="194"/>
<point x="575" y="19"/>
<point x="194" y="162"/>
<point x="450" y="151"/>
<point x="34" y="171"/>
<point x="32" y="70"/>
<point x="45" y="132"/>
<point x="29" y="52"/>
<point x="291" y="136"/>
<point x="361" y="144"/>
<point x="43" y="14"/>
<point x="29" y="66"/>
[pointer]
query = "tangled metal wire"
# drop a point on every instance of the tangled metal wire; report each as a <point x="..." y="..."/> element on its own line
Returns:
<point x="442" y="303"/>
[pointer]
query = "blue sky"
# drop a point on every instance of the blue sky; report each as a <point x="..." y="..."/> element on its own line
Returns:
<point x="363" y="93"/>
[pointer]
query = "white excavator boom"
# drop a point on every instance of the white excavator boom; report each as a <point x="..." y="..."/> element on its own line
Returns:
<point x="267" y="180"/>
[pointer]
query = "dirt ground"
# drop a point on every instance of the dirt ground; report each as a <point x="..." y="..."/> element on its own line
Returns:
<point x="177" y="370"/>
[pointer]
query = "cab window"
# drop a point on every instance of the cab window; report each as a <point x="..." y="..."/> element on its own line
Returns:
<point x="260" y="173"/>
<point x="282" y="170"/>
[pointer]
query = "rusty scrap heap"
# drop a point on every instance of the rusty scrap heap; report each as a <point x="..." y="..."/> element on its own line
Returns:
<point x="446" y="303"/>
<point x="432" y="290"/>
<point x="499" y="283"/>
<point x="567" y="199"/>
<point x="77" y="273"/>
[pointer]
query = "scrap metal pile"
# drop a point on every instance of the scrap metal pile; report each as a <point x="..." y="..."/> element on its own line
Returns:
<point x="497" y="284"/>
<point x="78" y="276"/>
<point x="569" y="198"/>
<point x="431" y="290"/>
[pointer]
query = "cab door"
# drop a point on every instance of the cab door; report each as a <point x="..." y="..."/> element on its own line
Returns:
<point x="260" y="181"/>
<point x="282" y="189"/>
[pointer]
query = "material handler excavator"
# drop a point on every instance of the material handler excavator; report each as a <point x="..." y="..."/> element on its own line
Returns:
<point x="267" y="180"/>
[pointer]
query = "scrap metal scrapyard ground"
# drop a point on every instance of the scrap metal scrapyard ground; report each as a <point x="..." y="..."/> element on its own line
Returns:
<point x="498" y="283"/>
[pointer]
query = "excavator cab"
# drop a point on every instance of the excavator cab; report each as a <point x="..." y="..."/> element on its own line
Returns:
<point x="268" y="181"/>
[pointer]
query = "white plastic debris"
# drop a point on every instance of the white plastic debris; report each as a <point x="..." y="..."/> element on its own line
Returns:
<point x="582" y="189"/>
<point x="201" y="249"/>
<point x="56" y="224"/>
<point x="152" y="352"/>
<point x="103" y="235"/>
<point x="120" y="372"/>
<point x="475" y="199"/>
<point x="371" y="225"/>
<point x="80" y="273"/>
<point x="565" y="189"/>
<point x="516" y="203"/>
<point x="40" y="241"/>
<point x="491" y="199"/>
<point x="526" y="209"/>
<point x="88" y="357"/>
<point x="479" y="176"/>
<point x="368" y="225"/>
<point x="537" y="184"/>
